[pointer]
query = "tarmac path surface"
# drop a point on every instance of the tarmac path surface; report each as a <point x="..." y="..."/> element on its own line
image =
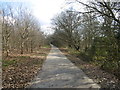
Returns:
<point x="59" y="72"/>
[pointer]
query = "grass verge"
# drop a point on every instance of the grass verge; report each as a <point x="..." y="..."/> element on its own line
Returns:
<point x="101" y="77"/>
<point x="18" y="70"/>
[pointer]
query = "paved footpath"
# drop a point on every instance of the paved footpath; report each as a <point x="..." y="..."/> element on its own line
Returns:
<point x="59" y="72"/>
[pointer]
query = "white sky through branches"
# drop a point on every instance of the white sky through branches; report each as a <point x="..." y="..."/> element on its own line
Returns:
<point x="44" y="10"/>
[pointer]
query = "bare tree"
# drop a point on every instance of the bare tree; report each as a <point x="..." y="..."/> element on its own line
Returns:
<point x="67" y="23"/>
<point x="111" y="7"/>
<point x="21" y="30"/>
<point x="7" y="27"/>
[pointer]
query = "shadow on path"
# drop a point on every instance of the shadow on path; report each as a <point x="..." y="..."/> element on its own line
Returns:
<point x="59" y="72"/>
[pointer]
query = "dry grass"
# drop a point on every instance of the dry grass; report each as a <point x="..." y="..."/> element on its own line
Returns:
<point x="101" y="77"/>
<point x="19" y="70"/>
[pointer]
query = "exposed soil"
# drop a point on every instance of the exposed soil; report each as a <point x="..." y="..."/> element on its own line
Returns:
<point x="99" y="76"/>
<point x="18" y="70"/>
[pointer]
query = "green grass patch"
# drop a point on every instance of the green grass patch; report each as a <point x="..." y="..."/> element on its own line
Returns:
<point x="74" y="52"/>
<point x="6" y="63"/>
<point x="47" y="46"/>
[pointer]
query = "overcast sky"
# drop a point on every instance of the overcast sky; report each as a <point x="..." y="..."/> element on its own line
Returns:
<point x="43" y="10"/>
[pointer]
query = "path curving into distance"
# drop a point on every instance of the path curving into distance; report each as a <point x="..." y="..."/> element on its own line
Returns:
<point x="59" y="72"/>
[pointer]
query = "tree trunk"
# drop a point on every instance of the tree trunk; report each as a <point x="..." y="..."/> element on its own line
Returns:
<point x="31" y="47"/>
<point x="22" y="46"/>
<point x="7" y="48"/>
